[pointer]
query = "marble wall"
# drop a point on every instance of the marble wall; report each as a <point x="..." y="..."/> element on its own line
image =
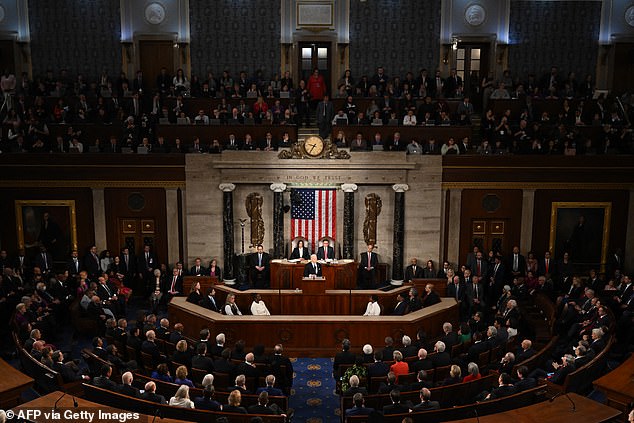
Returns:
<point x="422" y="202"/>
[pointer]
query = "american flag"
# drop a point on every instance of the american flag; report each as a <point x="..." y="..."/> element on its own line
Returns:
<point x="313" y="214"/>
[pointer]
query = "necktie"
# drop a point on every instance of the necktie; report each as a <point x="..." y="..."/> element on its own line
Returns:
<point x="107" y="290"/>
<point x="515" y="265"/>
<point x="326" y="253"/>
<point x="260" y="260"/>
<point x="479" y="268"/>
<point x="197" y="269"/>
<point x="547" y="260"/>
<point x="45" y="262"/>
<point x="369" y="260"/>
<point x="458" y="292"/>
<point x="475" y="289"/>
<point x="315" y="268"/>
<point x="126" y="260"/>
<point x="173" y="284"/>
<point x="414" y="270"/>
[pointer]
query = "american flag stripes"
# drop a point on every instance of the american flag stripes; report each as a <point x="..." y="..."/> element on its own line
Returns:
<point x="313" y="214"/>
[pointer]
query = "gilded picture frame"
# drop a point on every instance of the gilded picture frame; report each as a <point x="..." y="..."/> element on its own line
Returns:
<point x="59" y="235"/>
<point x="583" y="230"/>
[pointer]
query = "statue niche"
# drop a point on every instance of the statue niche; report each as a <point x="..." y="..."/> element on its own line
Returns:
<point x="373" y="205"/>
<point x="253" y="204"/>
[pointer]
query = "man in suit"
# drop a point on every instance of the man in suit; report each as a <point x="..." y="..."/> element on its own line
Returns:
<point x="425" y="401"/>
<point x="104" y="381"/>
<point x="517" y="263"/>
<point x="396" y="407"/>
<point x="262" y="406"/>
<point x="343" y="357"/>
<point x="413" y="271"/>
<point x="442" y="357"/>
<point x="68" y="371"/>
<point x="200" y="360"/>
<point x="73" y="265"/>
<point x="247" y="367"/>
<point x="312" y="268"/>
<point x="367" y="268"/>
<point x="457" y="290"/>
<point x="128" y="263"/>
<point x="474" y="294"/>
<point x="504" y="389"/>
<point x="480" y="266"/>
<point x="359" y="408"/>
<point x="282" y="368"/>
<point x="452" y="83"/>
<point x="378" y="368"/>
<point x="450" y="338"/>
<point x="91" y="262"/>
<point x="146" y="263"/>
<point x="149" y="347"/>
<point x="325" y="252"/>
<point x="423" y="362"/>
<point x="325" y="114"/>
<point x="270" y="388"/>
<point x="175" y="284"/>
<point x="151" y="395"/>
<point x="260" y="263"/>
<point x="198" y="269"/>
<point x="525" y="351"/>
<point x="354" y="387"/>
<point x="126" y="387"/>
<point x="44" y="260"/>
<point x="523" y="381"/>
<point x="401" y="305"/>
<point x="546" y="266"/>
<point x="209" y="301"/>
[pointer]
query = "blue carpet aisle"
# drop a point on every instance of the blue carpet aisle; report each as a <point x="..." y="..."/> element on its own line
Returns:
<point x="314" y="399"/>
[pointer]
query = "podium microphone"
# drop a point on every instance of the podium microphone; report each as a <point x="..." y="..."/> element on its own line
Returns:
<point x="58" y="400"/>
<point x="558" y="394"/>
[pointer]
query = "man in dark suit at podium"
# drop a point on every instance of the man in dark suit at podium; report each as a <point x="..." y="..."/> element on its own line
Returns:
<point x="367" y="268"/>
<point x="260" y="265"/>
<point x="312" y="268"/>
<point x="326" y="252"/>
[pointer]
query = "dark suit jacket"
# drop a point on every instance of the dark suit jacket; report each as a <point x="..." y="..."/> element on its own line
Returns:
<point x="378" y="369"/>
<point x="202" y="271"/>
<point x="130" y="391"/>
<point x="151" y="396"/>
<point x="521" y="264"/>
<point x="131" y="267"/>
<point x="91" y="265"/>
<point x="74" y="269"/>
<point x="68" y="375"/>
<point x="310" y="270"/>
<point x="400" y="309"/>
<point x="524" y="384"/>
<point x="320" y="253"/>
<point x="503" y="391"/>
<point x="374" y="260"/>
<point x="353" y="390"/>
<point x="450" y="340"/>
<point x="343" y="357"/>
<point x="359" y="411"/>
<point x="451" y="291"/>
<point x="201" y="403"/>
<point x="211" y="305"/>
<point x="418" y="365"/>
<point x="202" y="362"/>
<point x="152" y="349"/>
<point x="395" y="409"/>
<point x="431" y="299"/>
<point x="441" y="359"/>
<point x="411" y="274"/>
<point x="39" y="261"/>
<point x="427" y="405"/>
<point x="260" y="409"/>
<point x="305" y="254"/>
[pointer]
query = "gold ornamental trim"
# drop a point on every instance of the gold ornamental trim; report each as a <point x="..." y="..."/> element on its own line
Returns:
<point x="89" y="184"/>
<point x="537" y="185"/>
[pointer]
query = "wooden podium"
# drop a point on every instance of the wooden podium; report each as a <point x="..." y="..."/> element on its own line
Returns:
<point x="313" y="285"/>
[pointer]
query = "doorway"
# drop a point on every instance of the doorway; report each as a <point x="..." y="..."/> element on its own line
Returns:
<point x="624" y="67"/>
<point x="489" y="234"/>
<point x="472" y="64"/>
<point x="313" y="54"/>
<point x="134" y="233"/>
<point x="154" y="55"/>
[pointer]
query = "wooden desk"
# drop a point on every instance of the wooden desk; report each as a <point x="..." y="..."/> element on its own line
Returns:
<point x="618" y="387"/>
<point x="558" y="411"/>
<point x="318" y="302"/>
<point x="206" y="282"/>
<point x="12" y="384"/>
<point x="342" y="275"/>
<point x="46" y="403"/>
<point x="312" y="336"/>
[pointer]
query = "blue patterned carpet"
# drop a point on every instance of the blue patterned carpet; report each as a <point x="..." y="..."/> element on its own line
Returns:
<point x="313" y="397"/>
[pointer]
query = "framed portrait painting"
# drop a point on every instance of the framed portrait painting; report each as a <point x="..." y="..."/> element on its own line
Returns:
<point x="582" y="229"/>
<point x="48" y="223"/>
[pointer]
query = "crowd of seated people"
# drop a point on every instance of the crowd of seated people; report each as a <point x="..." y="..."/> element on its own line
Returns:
<point x="137" y="105"/>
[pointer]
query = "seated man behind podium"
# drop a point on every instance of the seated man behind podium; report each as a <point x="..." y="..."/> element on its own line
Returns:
<point x="300" y="252"/>
<point x="325" y="252"/>
<point x="312" y="268"/>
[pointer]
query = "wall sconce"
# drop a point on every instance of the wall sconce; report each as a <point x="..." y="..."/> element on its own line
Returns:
<point x="447" y="48"/>
<point x="342" y="51"/>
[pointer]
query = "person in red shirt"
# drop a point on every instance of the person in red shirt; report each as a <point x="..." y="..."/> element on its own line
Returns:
<point x="316" y="86"/>
<point x="399" y="367"/>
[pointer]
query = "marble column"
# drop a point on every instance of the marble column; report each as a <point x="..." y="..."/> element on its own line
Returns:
<point x="348" y="220"/>
<point x="278" y="219"/>
<point x="227" y="229"/>
<point x="526" y="231"/>
<point x="398" y="244"/>
<point x="171" y="204"/>
<point x="628" y="259"/>
<point x="453" y="229"/>
<point x="99" y="216"/>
